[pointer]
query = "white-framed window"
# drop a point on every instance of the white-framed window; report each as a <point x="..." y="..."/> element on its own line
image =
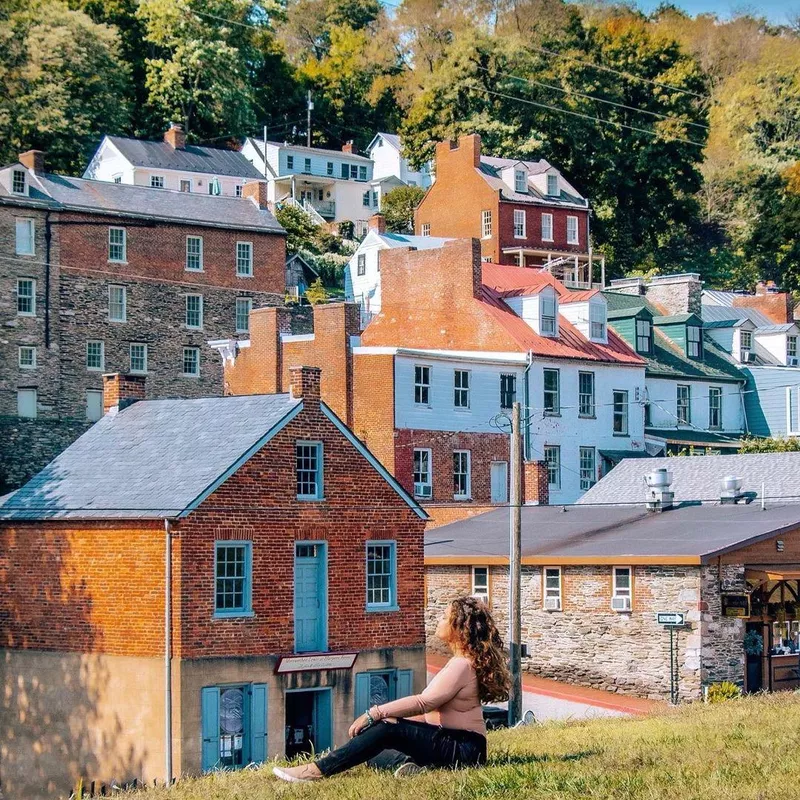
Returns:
<point x="26" y="357"/>
<point x="426" y="229"/>
<point x="423" y="479"/>
<point x="361" y="264"/>
<point x="95" y="356"/>
<point x="552" y="185"/>
<point x="18" y="181"/>
<point x="547" y="227"/>
<point x="520" y="181"/>
<point x="156" y="181"/>
<point x="486" y="224"/>
<point x="715" y="407"/>
<point x="381" y="576"/>
<point x="551" y="588"/>
<point x="117" y="303"/>
<point x="244" y="305"/>
<point x="237" y="190"/>
<point x="244" y="259"/>
<point x="519" y="223"/>
<point x="597" y="321"/>
<point x="330" y="168"/>
<point x="138" y="357"/>
<point x="191" y="362"/>
<point x="684" y="404"/>
<point x="621" y="588"/>
<point x="552" y="390"/>
<point x="572" y="230"/>
<point x="186" y="185"/>
<point x="422" y="385"/>
<point x="745" y="345"/>
<point x="194" y="253"/>
<point x="362" y="173"/>
<point x="620" y="404"/>
<point x="94" y="404"/>
<point x="26" y="297"/>
<point x="694" y="346"/>
<point x="194" y="311"/>
<point x="25" y="240"/>
<point x="117" y="245"/>
<point x="117" y="179"/>
<point x="791" y="346"/>
<point x="308" y="470"/>
<point x="586" y="394"/>
<point x="552" y="457"/>
<point x="586" y="467"/>
<point x="548" y="310"/>
<point x="461" y="388"/>
<point x="365" y="198"/>
<point x="644" y="336"/>
<point x="792" y="410"/>
<point x="306" y="165"/>
<point x="462" y="477"/>
<point x="480" y="583"/>
<point x="27" y="405"/>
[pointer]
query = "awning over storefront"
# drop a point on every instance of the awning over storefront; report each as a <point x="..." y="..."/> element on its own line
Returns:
<point x="778" y="572"/>
<point x="692" y="438"/>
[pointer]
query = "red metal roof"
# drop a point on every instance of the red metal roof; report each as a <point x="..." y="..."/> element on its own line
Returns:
<point x="572" y="296"/>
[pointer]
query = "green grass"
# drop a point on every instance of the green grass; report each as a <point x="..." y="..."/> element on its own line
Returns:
<point x="742" y="749"/>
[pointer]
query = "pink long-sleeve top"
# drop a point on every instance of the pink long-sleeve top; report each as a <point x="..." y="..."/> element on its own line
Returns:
<point x="450" y="700"/>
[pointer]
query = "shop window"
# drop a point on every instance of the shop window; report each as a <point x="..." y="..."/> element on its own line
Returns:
<point x="233" y="725"/>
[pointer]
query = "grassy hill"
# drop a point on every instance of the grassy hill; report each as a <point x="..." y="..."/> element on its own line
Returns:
<point x="738" y="750"/>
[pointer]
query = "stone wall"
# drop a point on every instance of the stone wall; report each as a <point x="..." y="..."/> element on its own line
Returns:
<point x="723" y="657"/>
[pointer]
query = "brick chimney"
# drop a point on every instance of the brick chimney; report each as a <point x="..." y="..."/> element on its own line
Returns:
<point x="377" y="222"/>
<point x="535" y="484"/>
<point x="175" y="137"/>
<point x="304" y="383"/>
<point x="456" y="155"/>
<point x="120" y="391"/>
<point x="257" y="192"/>
<point x="347" y="147"/>
<point x="33" y="160"/>
<point x="776" y="305"/>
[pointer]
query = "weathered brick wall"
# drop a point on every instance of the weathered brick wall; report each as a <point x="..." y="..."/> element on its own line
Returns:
<point x="373" y="405"/>
<point x="587" y="643"/>
<point x="723" y="656"/>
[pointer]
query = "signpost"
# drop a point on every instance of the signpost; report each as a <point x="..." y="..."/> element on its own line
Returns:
<point x="672" y="620"/>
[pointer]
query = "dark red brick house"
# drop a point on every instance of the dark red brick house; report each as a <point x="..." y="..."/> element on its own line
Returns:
<point x="291" y="559"/>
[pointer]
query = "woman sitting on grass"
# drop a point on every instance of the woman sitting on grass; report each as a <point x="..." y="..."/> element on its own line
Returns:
<point x="450" y="730"/>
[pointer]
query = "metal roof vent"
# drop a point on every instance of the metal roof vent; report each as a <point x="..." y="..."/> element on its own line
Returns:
<point x="659" y="493"/>
<point x="731" y="490"/>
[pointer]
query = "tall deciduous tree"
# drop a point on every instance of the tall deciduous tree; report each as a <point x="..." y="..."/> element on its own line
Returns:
<point x="398" y="207"/>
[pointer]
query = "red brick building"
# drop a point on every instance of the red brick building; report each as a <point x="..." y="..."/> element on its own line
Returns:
<point x="291" y="559"/>
<point x="524" y="212"/>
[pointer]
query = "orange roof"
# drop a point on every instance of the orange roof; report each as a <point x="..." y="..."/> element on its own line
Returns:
<point x="510" y="281"/>
<point x="571" y="296"/>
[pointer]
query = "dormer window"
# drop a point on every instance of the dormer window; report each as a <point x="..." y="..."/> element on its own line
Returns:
<point x="552" y="185"/>
<point x="520" y="181"/>
<point x="18" y="182"/>
<point x="644" y="336"/>
<point x="694" y="346"/>
<point x="597" y="321"/>
<point x="745" y="345"/>
<point x="791" y="350"/>
<point x="548" y="316"/>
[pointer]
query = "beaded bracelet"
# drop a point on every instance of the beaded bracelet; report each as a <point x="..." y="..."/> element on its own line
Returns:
<point x="370" y="720"/>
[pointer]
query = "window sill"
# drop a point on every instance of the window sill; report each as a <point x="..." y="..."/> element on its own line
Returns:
<point x="587" y="416"/>
<point x="523" y="237"/>
<point x="189" y="375"/>
<point x="29" y="255"/>
<point x="552" y="413"/>
<point x="309" y="499"/>
<point x="233" y="614"/>
<point x="380" y="609"/>
<point x="118" y="321"/>
<point x="95" y="369"/>
<point x="193" y="329"/>
<point x="459" y="498"/>
<point x="26" y="314"/>
<point x="622" y="435"/>
<point x="548" y="240"/>
<point x="27" y="366"/>
<point x="114" y="261"/>
<point x="462" y="409"/>
<point x="244" y="276"/>
<point x="197" y="271"/>
<point x="139" y="372"/>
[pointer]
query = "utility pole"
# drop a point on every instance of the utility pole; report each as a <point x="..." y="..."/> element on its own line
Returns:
<point x="309" y="107"/>
<point x="515" y="570"/>
<point x="265" y="151"/>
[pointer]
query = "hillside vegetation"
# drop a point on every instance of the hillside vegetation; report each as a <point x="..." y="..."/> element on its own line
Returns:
<point x="740" y="750"/>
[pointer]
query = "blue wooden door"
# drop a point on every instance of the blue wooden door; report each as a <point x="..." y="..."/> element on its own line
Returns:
<point x="310" y="603"/>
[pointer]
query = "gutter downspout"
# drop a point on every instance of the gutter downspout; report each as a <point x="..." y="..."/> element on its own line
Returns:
<point x="527" y="417"/>
<point x="168" y="651"/>
<point x="48" y="236"/>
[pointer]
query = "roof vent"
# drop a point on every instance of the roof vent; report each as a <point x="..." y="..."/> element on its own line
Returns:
<point x="659" y="493"/>
<point x="731" y="490"/>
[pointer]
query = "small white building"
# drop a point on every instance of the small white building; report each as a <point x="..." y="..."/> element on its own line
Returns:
<point x="386" y="152"/>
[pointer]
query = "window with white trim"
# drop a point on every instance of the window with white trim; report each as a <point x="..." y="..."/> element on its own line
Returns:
<point x="422" y="385"/>
<point x="362" y="173"/>
<point x="461" y="388"/>
<point x="117" y="179"/>
<point x="620" y="406"/>
<point x="95" y="356"/>
<point x="547" y="321"/>
<point x="486" y="224"/>
<point x="426" y="229"/>
<point x="462" y="478"/>
<point x="194" y="253"/>
<point x="791" y="347"/>
<point x="519" y="223"/>
<point x="244" y="259"/>
<point x="597" y="321"/>
<point x="244" y="305"/>
<point x="792" y="410"/>
<point x="94" y="404"/>
<point x="194" y="311"/>
<point x="552" y="390"/>
<point x="185" y="185"/>
<point x="423" y="482"/>
<point x="586" y="394"/>
<point x="547" y="227"/>
<point x="365" y="199"/>
<point x="361" y="264"/>
<point x="117" y="245"/>
<point x="520" y="181"/>
<point x="622" y="583"/>
<point x="138" y="357"/>
<point x="237" y="190"/>
<point x="26" y="297"/>
<point x="26" y="357"/>
<point x="715" y="407"/>
<point x="191" y="362"/>
<point x="644" y="336"/>
<point x="745" y="345"/>
<point x="308" y="469"/>
<point x="552" y="457"/>
<point x="25" y="241"/>
<point x="117" y="303"/>
<point x="694" y="345"/>
<point x="156" y="181"/>
<point x="480" y="583"/>
<point x="27" y="403"/>
<point x="381" y="575"/>
<point x="684" y="404"/>
<point x="552" y="185"/>
<point x="586" y="466"/>
<point x="551" y="584"/>
<point x="572" y="230"/>
<point x="18" y="181"/>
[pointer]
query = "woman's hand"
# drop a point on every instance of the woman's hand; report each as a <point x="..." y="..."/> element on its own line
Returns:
<point x="358" y="725"/>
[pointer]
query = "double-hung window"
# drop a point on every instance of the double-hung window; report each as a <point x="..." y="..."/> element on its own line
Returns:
<point x="486" y="224"/>
<point x="621" y="588"/>
<point x="586" y="465"/>
<point x="191" y="362"/>
<point x="552" y="457"/>
<point x="644" y="336"/>
<point x="18" y="183"/>
<point x="25" y="237"/>
<point x="307" y="165"/>
<point x="745" y="345"/>
<point x="244" y="305"/>
<point x="117" y="245"/>
<point x="552" y="391"/>
<point x="289" y="162"/>
<point x="422" y="385"/>
<point x="684" y="404"/>
<point x="572" y="231"/>
<point x="547" y="227"/>
<point x="480" y="583"/>
<point x="551" y="581"/>
<point x="519" y="223"/>
<point x="26" y="297"/>
<point x="597" y="321"/>
<point x="461" y="474"/>
<point x="520" y="181"/>
<point x="365" y="199"/>
<point x="194" y="253"/>
<point x="552" y="185"/>
<point x="244" y="259"/>
<point x="138" y="357"/>
<point x="461" y="388"/>
<point x="308" y="469"/>
<point x="791" y="347"/>
<point x="233" y="578"/>
<point x="423" y="484"/>
<point x="547" y="325"/>
<point x="194" y="311"/>
<point x="95" y="356"/>
<point x="715" y="407"/>
<point x="330" y="168"/>
<point x="426" y="229"/>
<point x="361" y="264"/>
<point x="156" y="181"/>
<point x="117" y="304"/>
<point x="586" y="394"/>
<point x="694" y="345"/>
<point x="26" y="357"/>
<point x="185" y="185"/>
<point x="620" y="404"/>
<point x="362" y="173"/>
<point x="508" y="390"/>
<point x="381" y="576"/>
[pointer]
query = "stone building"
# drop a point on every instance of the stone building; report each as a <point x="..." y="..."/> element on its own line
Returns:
<point x="595" y="575"/>
<point x="98" y="277"/>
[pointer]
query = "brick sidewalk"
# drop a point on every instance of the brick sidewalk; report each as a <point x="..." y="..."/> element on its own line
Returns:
<point x="574" y="694"/>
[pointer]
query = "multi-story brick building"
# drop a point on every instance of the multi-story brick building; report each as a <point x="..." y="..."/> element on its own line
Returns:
<point x="202" y="583"/>
<point x="524" y="212"/>
<point x="101" y="276"/>
<point x="456" y="342"/>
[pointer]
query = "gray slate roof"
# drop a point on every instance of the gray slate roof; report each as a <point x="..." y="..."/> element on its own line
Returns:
<point x="548" y="532"/>
<point x="62" y="192"/>
<point x="699" y="477"/>
<point x="192" y="158"/>
<point x="727" y="313"/>
<point x="150" y="460"/>
<point x="259" y="146"/>
<point x="491" y="167"/>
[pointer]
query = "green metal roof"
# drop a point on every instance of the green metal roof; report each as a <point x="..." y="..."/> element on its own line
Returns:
<point x="689" y="436"/>
<point x="677" y="319"/>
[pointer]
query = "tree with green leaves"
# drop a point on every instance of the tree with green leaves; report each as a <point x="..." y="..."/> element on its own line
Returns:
<point x="751" y="444"/>
<point x="398" y="207"/>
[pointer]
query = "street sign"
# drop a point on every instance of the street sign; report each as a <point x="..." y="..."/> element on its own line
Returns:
<point x="670" y="618"/>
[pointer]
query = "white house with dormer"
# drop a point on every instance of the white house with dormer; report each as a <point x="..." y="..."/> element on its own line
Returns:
<point x="386" y="152"/>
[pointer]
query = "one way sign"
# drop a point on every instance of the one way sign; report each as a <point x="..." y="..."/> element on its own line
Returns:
<point x="670" y="618"/>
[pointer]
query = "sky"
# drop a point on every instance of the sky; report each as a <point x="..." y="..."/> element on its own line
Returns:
<point x="776" y="11"/>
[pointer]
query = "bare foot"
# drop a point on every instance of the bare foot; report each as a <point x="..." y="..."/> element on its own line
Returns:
<point x="301" y="774"/>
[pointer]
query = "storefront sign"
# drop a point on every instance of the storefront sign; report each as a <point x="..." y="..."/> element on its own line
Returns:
<point x="735" y="605"/>
<point x="314" y="661"/>
<point x="670" y="618"/>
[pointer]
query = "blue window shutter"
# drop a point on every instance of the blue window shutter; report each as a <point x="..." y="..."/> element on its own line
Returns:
<point x="361" y="693"/>
<point x="393" y="577"/>
<point x="258" y="724"/>
<point x="405" y="682"/>
<point x="209" y="703"/>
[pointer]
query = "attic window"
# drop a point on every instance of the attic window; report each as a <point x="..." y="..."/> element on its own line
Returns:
<point x="694" y="347"/>
<point x="548" y="316"/>
<point x="18" y="183"/>
<point x="644" y="336"/>
<point x="597" y="319"/>
<point x="520" y="181"/>
<point x="552" y="185"/>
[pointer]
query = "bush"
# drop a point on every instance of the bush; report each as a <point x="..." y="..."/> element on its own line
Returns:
<point x="398" y="207"/>
<point x="720" y="692"/>
<point x="316" y="293"/>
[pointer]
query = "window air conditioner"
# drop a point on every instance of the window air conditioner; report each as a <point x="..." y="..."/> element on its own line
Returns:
<point x="792" y="361"/>
<point x="747" y="355"/>
<point x="621" y="603"/>
<point x="552" y="604"/>
<point x="422" y="490"/>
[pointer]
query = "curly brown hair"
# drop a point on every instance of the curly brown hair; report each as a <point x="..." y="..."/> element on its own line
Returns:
<point x="474" y="633"/>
